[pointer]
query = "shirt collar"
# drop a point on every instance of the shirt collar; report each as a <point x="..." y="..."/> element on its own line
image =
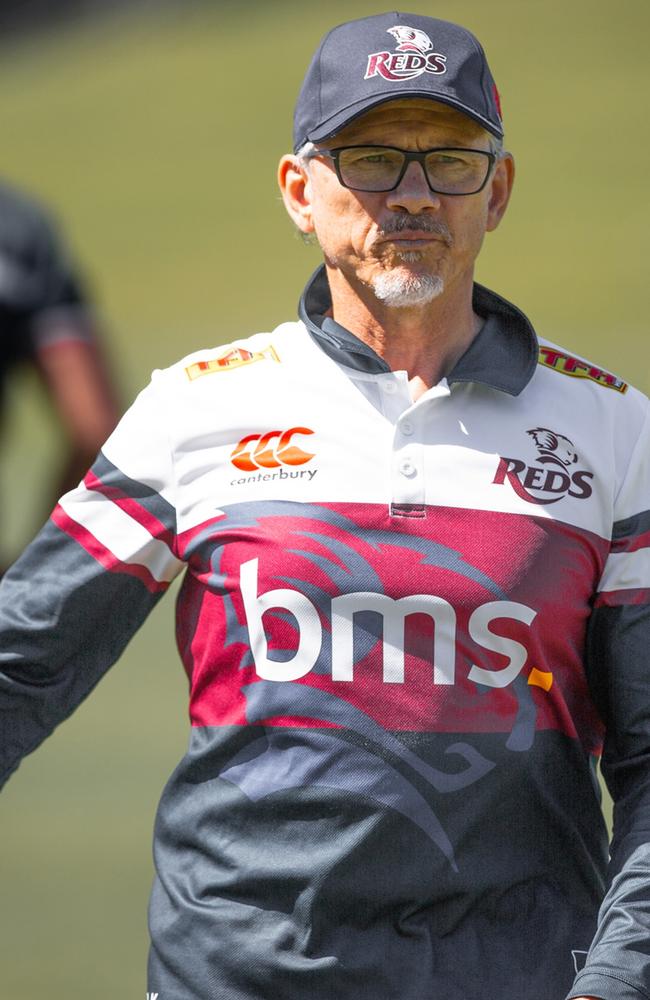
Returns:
<point x="503" y="355"/>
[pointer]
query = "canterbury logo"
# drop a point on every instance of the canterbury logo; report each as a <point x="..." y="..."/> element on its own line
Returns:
<point x="270" y="450"/>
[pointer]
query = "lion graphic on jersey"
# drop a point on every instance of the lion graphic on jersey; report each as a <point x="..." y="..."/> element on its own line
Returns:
<point x="554" y="447"/>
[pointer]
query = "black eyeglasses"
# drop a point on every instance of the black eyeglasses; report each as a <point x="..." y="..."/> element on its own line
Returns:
<point x="381" y="168"/>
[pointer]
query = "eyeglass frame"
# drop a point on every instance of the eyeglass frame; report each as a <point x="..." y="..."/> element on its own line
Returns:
<point x="410" y="156"/>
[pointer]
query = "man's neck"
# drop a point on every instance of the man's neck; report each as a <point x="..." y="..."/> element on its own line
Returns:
<point x="426" y="341"/>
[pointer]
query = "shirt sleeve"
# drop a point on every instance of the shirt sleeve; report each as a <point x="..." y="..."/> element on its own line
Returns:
<point x="618" y="664"/>
<point x="70" y="604"/>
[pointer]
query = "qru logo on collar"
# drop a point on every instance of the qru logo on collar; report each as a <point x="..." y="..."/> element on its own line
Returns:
<point x="414" y="56"/>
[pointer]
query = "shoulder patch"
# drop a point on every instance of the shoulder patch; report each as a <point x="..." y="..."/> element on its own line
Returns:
<point x="566" y="364"/>
<point x="233" y="358"/>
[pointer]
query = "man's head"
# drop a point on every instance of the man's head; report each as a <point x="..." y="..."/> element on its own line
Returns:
<point x="397" y="226"/>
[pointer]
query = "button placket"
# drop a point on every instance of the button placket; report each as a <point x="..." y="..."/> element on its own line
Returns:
<point x="408" y="481"/>
<point x="407" y="486"/>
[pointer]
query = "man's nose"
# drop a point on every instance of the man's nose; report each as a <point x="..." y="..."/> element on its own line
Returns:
<point x="413" y="193"/>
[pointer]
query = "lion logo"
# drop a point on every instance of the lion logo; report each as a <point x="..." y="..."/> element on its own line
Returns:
<point x="410" y="39"/>
<point x="554" y="447"/>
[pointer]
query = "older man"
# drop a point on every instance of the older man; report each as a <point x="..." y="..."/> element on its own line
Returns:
<point x="416" y="598"/>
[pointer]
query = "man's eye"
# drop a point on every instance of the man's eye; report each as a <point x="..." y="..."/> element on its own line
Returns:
<point x="446" y="158"/>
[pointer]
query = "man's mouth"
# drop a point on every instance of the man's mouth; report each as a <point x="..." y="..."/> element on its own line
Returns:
<point x="412" y="239"/>
<point x="412" y="232"/>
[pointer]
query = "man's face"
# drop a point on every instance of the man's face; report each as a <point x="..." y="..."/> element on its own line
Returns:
<point x="407" y="245"/>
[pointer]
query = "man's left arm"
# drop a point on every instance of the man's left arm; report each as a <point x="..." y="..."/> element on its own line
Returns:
<point x="618" y="668"/>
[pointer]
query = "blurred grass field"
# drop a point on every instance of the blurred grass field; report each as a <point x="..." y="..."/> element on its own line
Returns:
<point x="155" y="139"/>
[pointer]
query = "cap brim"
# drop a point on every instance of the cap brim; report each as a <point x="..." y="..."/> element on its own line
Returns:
<point x="331" y="126"/>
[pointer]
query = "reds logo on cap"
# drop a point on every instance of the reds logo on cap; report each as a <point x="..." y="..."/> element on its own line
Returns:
<point x="413" y="57"/>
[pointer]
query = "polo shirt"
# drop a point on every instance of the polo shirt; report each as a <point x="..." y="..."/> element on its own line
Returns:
<point x="409" y="630"/>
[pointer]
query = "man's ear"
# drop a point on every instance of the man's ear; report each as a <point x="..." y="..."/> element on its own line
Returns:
<point x="500" y="188"/>
<point x="295" y="186"/>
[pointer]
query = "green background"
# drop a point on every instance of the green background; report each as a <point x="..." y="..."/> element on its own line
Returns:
<point x="156" y="138"/>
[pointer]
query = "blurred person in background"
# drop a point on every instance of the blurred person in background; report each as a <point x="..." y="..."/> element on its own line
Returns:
<point x="416" y="601"/>
<point x="46" y="321"/>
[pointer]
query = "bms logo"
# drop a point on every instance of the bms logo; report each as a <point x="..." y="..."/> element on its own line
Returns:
<point x="553" y="477"/>
<point x="394" y="614"/>
<point x="413" y="57"/>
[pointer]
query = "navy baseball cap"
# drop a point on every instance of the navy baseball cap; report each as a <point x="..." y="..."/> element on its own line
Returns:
<point x="367" y="62"/>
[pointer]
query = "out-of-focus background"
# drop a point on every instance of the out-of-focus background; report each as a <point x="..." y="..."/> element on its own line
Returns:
<point x="153" y="130"/>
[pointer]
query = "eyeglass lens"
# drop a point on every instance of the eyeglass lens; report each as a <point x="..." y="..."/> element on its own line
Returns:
<point x="449" y="171"/>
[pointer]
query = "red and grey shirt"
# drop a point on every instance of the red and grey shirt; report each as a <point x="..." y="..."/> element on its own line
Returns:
<point x="409" y="630"/>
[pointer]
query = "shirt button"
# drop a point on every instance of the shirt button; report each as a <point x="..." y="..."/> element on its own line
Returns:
<point x="406" y="427"/>
<point x="407" y="468"/>
<point x="389" y="387"/>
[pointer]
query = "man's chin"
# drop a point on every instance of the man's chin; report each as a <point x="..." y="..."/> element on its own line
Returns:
<point x="400" y="288"/>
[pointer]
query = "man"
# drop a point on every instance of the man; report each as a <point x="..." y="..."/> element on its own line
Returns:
<point x="416" y="600"/>
<point x="46" y="321"/>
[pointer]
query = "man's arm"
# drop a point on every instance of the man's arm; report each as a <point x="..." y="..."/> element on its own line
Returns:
<point x="76" y="378"/>
<point x="46" y="319"/>
<point x="618" y="667"/>
<point x="64" y="345"/>
<point x="75" y="597"/>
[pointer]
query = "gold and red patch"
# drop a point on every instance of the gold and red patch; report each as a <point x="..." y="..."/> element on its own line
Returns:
<point x="566" y="364"/>
<point x="233" y="358"/>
